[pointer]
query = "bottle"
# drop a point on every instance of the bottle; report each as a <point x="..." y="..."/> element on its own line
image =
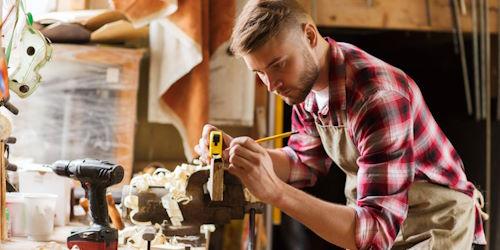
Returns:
<point x="9" y="224"/>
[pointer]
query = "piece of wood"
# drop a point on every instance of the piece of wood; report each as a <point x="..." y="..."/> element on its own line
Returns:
<point x="118" y="32"/>
<point x="113" y="213"/>
<point x="3" y="191"/>
<point x="84" y="203"/>
<point x="69" y="5"/>
<point x="391" y="14"/>
<point x="216" y="180"/>
<point x="99" y="20"/>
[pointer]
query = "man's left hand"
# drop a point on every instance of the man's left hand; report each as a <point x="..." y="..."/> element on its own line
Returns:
<point x="252" y="164"/>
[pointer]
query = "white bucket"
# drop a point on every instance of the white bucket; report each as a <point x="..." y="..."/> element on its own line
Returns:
<point x="17" y="212"/>
<point x="33" y="178"/>
<point x="40" y="211"/>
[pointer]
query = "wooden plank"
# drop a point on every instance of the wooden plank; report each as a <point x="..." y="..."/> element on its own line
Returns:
<point x="392" y="14"/>
<point x="3" y="191"/>
<point x="216" y="181"/>
<point x="70" y="5"/>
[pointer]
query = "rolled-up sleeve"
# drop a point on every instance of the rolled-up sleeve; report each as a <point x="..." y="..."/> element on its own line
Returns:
<point x="382" y="128"/>
<point x="305" y="151"/>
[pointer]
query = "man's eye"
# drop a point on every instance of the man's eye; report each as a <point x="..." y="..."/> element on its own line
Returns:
<point x="280" y="65"/>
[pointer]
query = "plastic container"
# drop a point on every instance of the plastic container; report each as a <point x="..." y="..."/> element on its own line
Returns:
<point x="17" y="211"/>
<point x="40" y="210"/>
<point x="34" y="178"/>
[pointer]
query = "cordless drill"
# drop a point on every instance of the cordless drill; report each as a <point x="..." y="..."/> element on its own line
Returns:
<point x="95" y="176"/>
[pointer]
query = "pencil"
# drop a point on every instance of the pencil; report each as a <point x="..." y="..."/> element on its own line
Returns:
<point x="278" y="136"/>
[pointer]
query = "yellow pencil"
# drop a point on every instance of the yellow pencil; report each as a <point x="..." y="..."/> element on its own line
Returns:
<point x="278" y="136"/>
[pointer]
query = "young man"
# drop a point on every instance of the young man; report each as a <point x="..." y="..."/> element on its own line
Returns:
<point x="405" y="188"/>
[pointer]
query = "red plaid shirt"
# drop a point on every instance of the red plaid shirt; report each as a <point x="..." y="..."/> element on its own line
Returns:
<point x="397" y="138"/>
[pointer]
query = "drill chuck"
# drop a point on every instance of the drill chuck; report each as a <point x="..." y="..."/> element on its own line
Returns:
<point x="90" y="170"/>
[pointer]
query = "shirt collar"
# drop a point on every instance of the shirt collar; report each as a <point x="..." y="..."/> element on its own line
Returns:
<point x="336" y="82"/>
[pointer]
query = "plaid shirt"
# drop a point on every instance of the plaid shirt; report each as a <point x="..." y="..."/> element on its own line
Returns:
<point x="397" y="138"/>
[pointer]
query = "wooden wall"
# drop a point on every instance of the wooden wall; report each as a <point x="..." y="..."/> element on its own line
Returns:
<point x="392" y="14"/>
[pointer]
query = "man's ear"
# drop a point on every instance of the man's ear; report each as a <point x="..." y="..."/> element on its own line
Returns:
<point x="311" y="34"/>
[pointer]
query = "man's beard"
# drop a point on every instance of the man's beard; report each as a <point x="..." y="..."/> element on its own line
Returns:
<point x="306" y="81"/>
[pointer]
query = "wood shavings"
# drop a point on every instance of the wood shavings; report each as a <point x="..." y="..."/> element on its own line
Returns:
<point x="249" y="197"/>
<point x="175" y="182"/>
<point x="132" y="237"/>
<point x="173" y="210"/>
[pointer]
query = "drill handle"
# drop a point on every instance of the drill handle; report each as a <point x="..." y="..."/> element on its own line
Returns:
<point x="98" y="205"/>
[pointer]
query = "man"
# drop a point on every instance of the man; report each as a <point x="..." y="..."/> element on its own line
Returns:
<point x="405" y="188"/>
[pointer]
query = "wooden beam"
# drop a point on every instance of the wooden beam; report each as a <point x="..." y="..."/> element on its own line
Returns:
<point x="392" y="14"/>
<point x="3" y="191"/>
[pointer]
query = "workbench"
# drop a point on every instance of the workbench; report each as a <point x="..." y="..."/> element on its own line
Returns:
<point x="58" y="236"/>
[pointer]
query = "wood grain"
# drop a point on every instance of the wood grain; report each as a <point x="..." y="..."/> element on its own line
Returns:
<point x="392" y="14"/>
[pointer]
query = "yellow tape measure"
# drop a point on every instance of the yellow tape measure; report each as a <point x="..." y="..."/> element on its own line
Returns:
<point x="215" y="146"/>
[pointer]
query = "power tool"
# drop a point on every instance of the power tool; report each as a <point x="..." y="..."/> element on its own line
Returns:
<point x="95" y="176"/>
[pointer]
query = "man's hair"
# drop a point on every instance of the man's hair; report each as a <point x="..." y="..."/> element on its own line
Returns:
<point x="261" y="20"/>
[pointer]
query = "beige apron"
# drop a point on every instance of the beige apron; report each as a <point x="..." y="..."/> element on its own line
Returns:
<point x="443" y="220"/>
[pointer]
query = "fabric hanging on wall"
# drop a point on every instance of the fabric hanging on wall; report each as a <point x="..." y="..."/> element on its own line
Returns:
<point x="141" y="12"/>
<point x="183" y="47"/>
<point x="232" y="84"/>
<point x="232" y="90"/>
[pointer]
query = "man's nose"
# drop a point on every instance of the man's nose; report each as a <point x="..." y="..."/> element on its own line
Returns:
<point x="272" y="84"/>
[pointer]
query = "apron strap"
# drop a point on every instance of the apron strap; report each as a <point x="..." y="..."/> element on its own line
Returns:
<point x="479" y="203"/>
<point x="341" y="118"/>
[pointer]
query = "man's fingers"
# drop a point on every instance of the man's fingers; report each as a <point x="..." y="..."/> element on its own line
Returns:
<point x="197" y="150"/>
<point x="240" y="162"/>
<point x="243" y="152"/>
<point x="248" y="143"/>
<point x="207" y="129"/>
<point x="238" y="172"/>
<point x="225" y="154"/>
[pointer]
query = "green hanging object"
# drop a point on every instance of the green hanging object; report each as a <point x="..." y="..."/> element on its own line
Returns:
<point x="29" y="19"/>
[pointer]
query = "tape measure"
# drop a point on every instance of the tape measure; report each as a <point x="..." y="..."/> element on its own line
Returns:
<point x="215" y="146"/>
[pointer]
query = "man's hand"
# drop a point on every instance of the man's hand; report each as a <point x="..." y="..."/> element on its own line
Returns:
<point x="202" y="148"/>
<point x="252" y="164"/>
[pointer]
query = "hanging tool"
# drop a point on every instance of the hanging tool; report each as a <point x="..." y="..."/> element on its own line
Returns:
<point x="9" y="166"/>
<point x="458" y="38"/>
<point x="4" y="85"/>
<point x="487" y="55"/>
<point x="498" y="60"/>
<point x="428" y="12"/>
<point x="25" y="54"/>
<point x="475" y="53"/>
<point x="487" y="115"/>
<point x="95" y="176"/>
<point x="482" y="49"/>
<point x="463" y="7"/>
<point x="251" y="230"/>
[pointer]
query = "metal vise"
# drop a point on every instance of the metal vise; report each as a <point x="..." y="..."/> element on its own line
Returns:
<point x="200" y="210"/>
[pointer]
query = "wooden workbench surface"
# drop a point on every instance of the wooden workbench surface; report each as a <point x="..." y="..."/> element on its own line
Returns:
<point x="59" y="237"/>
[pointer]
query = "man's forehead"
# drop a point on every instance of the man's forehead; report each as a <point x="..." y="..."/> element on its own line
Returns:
<point x="273" y="49"/>
<point x="260" y="61"/>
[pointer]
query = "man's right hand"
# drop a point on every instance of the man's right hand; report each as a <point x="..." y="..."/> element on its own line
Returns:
<point x="202" y="148"/>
